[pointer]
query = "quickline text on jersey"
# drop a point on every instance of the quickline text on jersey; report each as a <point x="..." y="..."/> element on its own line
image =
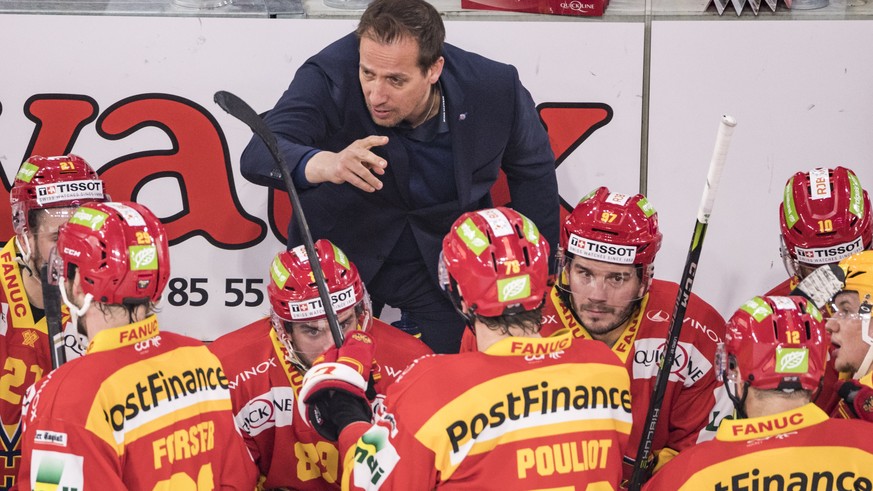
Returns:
<point x="541" y="399"/>
<point x="149" y="393"/>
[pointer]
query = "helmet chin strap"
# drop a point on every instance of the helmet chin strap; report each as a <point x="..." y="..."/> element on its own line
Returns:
<point x="739" y="404"/>
<point x="789" y="262"/>
<point x="24" y="252"/>
<point x="75" y="312"/>
<point x="868" y="359"/>
<point x="285" y="338"/>
<point x="866" y="337"/>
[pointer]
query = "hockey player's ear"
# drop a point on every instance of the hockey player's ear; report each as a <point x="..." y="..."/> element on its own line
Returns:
<point x="76" y="285"/>
<point x="644" y="287"/>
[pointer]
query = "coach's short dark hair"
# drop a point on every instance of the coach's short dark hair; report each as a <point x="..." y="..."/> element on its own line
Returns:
<point x="387" y="21"/>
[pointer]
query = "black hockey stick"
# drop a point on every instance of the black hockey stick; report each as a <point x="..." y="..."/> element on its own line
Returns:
<point x="51" y="298"/>
<point x="238" y="108"/>
<point x="719" y="155"/>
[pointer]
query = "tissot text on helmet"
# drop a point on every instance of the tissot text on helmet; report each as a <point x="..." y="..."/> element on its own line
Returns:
<point x="314" y="308"/>
<point x="72" y="190"/>
<point x="826" y="255"/>
<point x="601" y="251"/>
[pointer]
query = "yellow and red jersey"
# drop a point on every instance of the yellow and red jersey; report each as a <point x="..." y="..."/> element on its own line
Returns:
<point x="784" y="289"/>
<point x="528" y="413"/>
<point x="264" y="387"/>
<point x="797" y="449"/>
<point x="143" y="410"/>
<point x="841" y="410"/>
<point x="694" y="402"/>
<point x="24" y="357"/>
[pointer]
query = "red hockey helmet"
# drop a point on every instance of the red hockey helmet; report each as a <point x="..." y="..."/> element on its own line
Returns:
<point x="824" y="218"/>
<point x="120" y="250"/>
<point x="778" y="343"/>
<point x="294" y="294"/>
<point x="496" y="261"/>
<point x="52" y="182"/>
<point x="612" y="227"/>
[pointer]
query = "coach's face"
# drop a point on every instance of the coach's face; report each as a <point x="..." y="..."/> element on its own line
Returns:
<point x="394" y="86"/>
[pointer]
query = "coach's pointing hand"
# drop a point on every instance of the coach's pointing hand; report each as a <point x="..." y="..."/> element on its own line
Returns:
<point x="355" y="164"/>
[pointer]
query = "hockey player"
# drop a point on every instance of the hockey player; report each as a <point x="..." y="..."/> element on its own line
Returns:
<point x="852" y="338"/>
<point x="44" y="194"/>
<point x="606" y="292"/>
<point x="775" y="351"/>
<point x="824" y="218"/>
<point x="265" y="362"/>
<point x="523" y="412"/>
<point x="144" y="408"/>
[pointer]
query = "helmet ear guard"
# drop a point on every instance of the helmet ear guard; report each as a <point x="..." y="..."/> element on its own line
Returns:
<point x="450" y="286"/>
<point x="726" y="372"/>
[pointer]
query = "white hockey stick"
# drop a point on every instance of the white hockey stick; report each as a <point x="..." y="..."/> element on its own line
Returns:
<point x="719" y="156"/>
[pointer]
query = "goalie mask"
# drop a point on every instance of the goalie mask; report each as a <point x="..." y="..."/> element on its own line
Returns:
<point x="298" y="315"/>
<point x="824" y="218"/>
<point x="775" y="343"/>
<point x="494" y="262"/>
<point x="120" y="251"/>
<point x="55" y="184"/>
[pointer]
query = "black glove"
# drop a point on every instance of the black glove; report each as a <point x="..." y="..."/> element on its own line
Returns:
<point x="859" y="398"/>
<point x="330" y="412"/>
<point x="334" y="390"/>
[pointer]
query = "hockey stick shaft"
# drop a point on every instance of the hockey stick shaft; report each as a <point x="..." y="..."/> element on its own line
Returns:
<point x="716" y="165"/>
<point x="239" y="109"/>
<point x="51" y="298"/>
